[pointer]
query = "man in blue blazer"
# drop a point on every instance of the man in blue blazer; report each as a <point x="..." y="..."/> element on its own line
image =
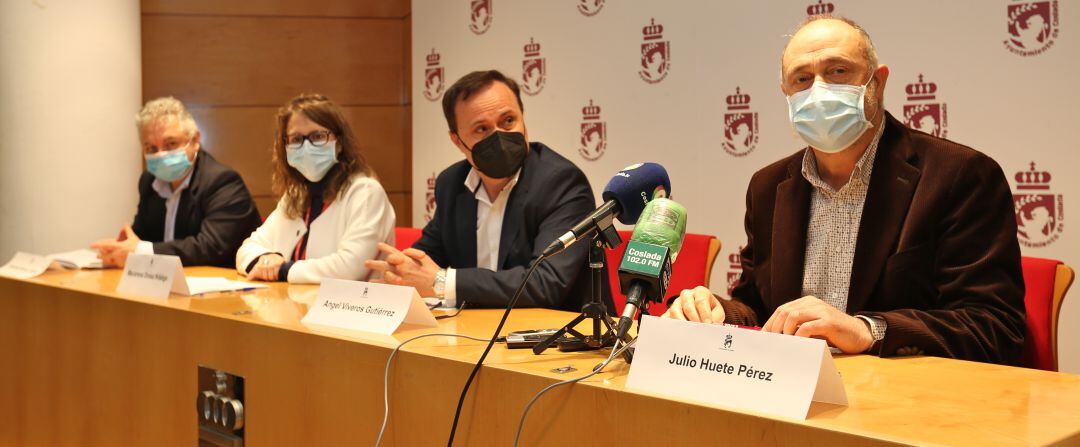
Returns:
<point x="497" y="210"/>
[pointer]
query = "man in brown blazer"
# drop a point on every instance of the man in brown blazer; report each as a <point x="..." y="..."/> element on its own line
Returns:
<point x="876" y="238"/>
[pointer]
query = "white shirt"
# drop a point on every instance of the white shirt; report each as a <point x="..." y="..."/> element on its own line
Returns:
<point x="489" y="222"/>
<point x="172" y="203"/>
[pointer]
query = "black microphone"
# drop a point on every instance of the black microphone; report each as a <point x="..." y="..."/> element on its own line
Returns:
<point x="645" y="270"/>
<point x="624" y="197"/>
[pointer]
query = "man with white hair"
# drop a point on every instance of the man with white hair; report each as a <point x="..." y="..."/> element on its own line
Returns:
<point x="190" y="205"/>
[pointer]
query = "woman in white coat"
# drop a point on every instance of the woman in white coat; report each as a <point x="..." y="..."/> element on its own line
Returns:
<point x="332" y="213"/>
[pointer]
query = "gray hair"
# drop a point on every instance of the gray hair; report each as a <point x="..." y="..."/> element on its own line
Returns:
<point x="869" y="52"/>
<point x="160" y="108"/>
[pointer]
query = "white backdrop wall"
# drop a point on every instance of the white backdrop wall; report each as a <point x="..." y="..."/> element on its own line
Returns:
<point x="70" y="84"/>
<point x="705" y="102"/>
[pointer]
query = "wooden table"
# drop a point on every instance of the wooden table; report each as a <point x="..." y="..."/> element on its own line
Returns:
<point x="85" y="366"/>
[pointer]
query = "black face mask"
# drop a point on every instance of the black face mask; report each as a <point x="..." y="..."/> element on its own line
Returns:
<point x="500" y="154"/>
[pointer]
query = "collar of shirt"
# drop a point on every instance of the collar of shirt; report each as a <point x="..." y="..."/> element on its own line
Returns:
<point x="472" y="181"/>
<point x="862" y="171"/>
<point x="164" y="189"/>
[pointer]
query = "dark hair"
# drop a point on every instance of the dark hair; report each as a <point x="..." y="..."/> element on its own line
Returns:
<point x="288" y="181"/>
<point x="472" y="83"/>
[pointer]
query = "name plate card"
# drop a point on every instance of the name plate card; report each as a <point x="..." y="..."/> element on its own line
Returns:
<point x="152" y="275"/>
<point x="367" y="307"/>
<point x="732" y="367"/>
<point x="25" y="265"/>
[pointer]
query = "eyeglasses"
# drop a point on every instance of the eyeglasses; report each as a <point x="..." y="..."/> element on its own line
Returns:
<point x="318" y="138"/>
<point x="170" y="145"/>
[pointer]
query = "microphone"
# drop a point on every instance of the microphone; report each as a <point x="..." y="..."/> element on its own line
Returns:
<point x="645" y="270"/>
<point x="624" y="197"/>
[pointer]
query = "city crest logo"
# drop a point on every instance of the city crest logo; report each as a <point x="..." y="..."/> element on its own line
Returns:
<point x="533" y="69"/>
<point x="734" y="271"/>
<point x="1040" y="214"/>
<point x="434" y="77"/>
<point x="480" y="16"/>
<point x="1032" y="27"/>
<point x="923" y="112"/>
<point x="740" y="125"/>
<point x="589" y="8"/>
<point x="429" y="196"/>
<point x="820" y="8"/>
<point x="593" y="133"/>
<point x="655" y="53"/>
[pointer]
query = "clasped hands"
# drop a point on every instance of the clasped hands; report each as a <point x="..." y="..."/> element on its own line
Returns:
<point x="409" y="267"/>
<point x="805" y="317"/>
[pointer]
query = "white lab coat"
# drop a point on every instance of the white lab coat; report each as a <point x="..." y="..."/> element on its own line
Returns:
<point x="344" y="236"/>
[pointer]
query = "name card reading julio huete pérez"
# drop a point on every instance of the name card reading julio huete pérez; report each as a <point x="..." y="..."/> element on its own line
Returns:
<point x="368" y="307"/>
<point x="723" y="368"/>
<point x="728" y="366"/>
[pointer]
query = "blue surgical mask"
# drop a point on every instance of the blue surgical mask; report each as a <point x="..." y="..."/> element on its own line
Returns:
<point x="312" y="161"/>
<point x="168" y="166"/>
<point x="829" y="117"/>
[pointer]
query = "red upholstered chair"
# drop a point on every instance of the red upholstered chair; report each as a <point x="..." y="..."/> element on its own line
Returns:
<point x="404" y="237"/>
<point x="1046" y="282"/>
<point x="692" y="268"/>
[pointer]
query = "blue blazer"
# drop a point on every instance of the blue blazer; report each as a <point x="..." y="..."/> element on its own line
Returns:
<point x="551" y="195"/>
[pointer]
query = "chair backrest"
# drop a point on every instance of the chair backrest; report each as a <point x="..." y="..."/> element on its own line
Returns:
<point x="404" y="237"/>
<point x="1062" y="282"/>
<point x="1045" y="281"/>
<point x="692" y="268"/>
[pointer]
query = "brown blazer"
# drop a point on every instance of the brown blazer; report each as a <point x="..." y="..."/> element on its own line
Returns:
<point x="937" y="255"/>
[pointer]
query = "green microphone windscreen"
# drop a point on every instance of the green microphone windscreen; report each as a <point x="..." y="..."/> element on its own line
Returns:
<point x="663" y="222"/>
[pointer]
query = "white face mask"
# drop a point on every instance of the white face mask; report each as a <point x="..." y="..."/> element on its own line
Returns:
<point x="829" y="117"/>
<point x="313" y="161"/>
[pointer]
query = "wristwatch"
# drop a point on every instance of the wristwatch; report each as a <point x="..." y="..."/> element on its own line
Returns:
<point x="877" y="326"/>
<point x="440" y="284"/>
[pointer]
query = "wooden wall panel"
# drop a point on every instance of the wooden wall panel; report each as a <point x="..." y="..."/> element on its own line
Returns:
<point x="234" y="63"/>
<point x="214" y="61"/>
<point x="383" y="136"/>
<point x="241" y="137"/>
<point x="402" y="202"/>
<point x="266" y="204"/>
<point x="406" y="33"/>
<point x="315" y="8"/>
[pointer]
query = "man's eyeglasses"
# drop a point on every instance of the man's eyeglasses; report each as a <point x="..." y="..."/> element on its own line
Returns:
<point x="318" y="138"/>
<point x="170" y="145"/>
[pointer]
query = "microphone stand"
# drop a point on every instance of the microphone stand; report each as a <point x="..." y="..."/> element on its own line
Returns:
<point x="594" y="310"/>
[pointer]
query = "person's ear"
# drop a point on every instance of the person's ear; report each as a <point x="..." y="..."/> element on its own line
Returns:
<point x="783" y="88"/>
<point x="454" y="138"/>
<point x="882" y="76"/>
<point x="196" y="141"/>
